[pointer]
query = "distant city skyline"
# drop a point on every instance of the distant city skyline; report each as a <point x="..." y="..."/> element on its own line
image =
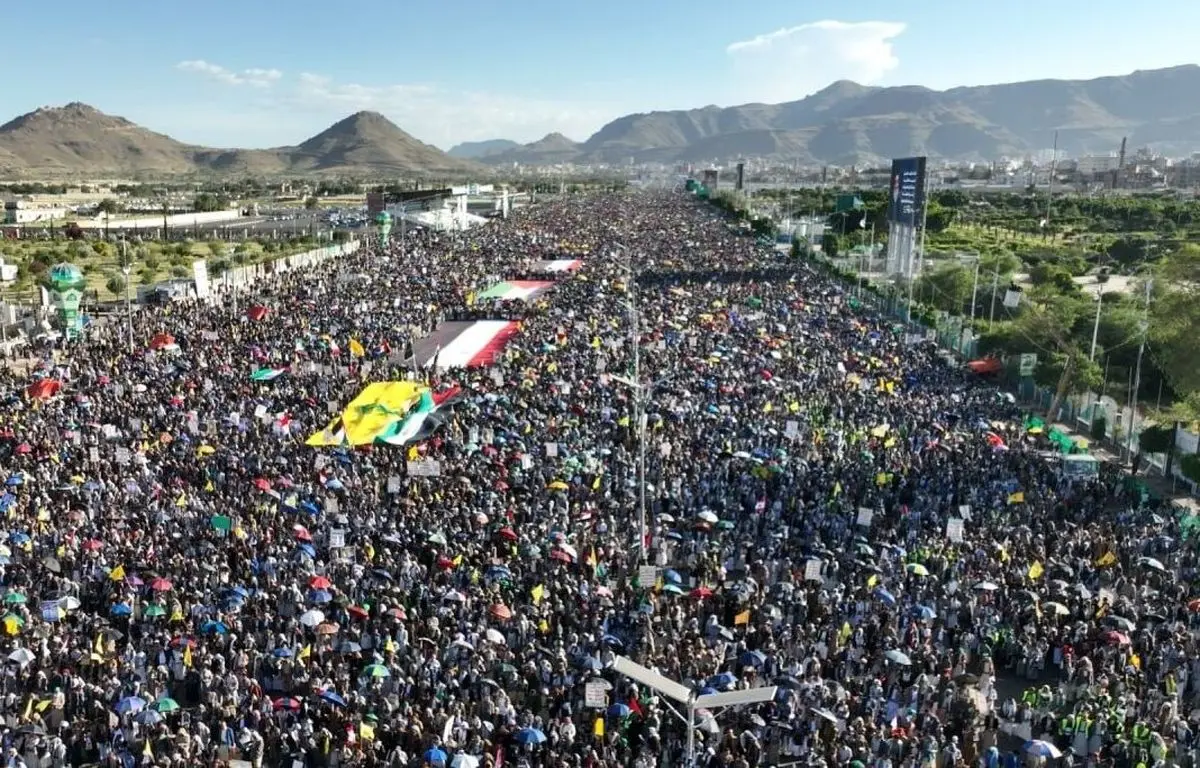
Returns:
<point x="240" y="74"/>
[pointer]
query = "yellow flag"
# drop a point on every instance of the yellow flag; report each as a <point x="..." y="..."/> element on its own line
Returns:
<point x="306" y="651"/>
<point x="147" y="751"/>
<point x="209" y="486"/>
<point x="28" y="709"/>
<point x="98" y="646"/>
<point x="872" y="580"/>
<point x="458" y="560"/>
<point x="537" y="593"/>
<point x="741" y="618"/>
<point x="1016" y="498"/>
<point x="117" y="574"/>
<point x="187" y="656"/>
<point x="1036" y="570"/>
<point x="366" y="732"/>
<point x="544" y="627"/>
<point x="598" y="728"/>
<point x="356" y="348"/>
<point x="181" y="502"/>
<point x="1107" y="559"/>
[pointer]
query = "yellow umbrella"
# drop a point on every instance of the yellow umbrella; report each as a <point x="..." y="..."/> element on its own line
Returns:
<point x="558" y="485"/>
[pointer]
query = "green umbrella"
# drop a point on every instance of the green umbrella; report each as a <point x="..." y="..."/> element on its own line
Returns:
<point x="15" y="598"/>
<point x="377" y="670"/>
<point x="153" y="611"/>
<point x="165" y="704"/>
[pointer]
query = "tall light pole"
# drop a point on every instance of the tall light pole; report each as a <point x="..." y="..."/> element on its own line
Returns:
<point x="1137" y="376"/>
<point x="1096" y="325"/>
<point x="640" y="392"/>
<point x="127" y="270"/>
<point x="689" y="700"/>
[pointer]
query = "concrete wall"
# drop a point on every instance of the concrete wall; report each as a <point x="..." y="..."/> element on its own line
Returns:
<point x="240" y="277"/>
<point x="152" y="222"/>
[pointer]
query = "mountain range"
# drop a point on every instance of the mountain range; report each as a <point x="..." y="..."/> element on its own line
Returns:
<point x="79" y="139"/>
<point x="851" y="124"/>
<point x="842" y="124"/>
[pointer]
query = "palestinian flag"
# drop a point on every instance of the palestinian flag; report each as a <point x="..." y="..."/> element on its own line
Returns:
<point x="516" y="290"/>
<point x="559" y="265"/>
<point x="267" y="374"/>
<point x="464" y="344"/>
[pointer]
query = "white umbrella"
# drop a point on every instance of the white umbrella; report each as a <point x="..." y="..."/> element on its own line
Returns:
<point x="987" y="586"/>
<point x="68" y="603"/>
<point x="708" y="516"/>
<point x="21" y="656"/>
<point x="1057" y="608"/>
<point x="464" y="761"/>
<point x="311" y="618"/>
<point x="494" y="636"/>
<point x="569" y="550"/>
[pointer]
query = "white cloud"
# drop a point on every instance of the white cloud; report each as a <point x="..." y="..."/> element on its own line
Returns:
<point x="258" y="78"/>
<point x="793" y="62"/>
<point x="445" y="117"/>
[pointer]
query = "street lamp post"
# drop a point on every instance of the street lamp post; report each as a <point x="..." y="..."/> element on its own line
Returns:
<point x="127" y="270"/>
<point x="689" y="701"/>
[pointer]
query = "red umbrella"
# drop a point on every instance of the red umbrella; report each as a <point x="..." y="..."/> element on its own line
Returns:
<point x="302" y="533"/>
<point x="507" y="533"/>
<point x="399" y="613"/>
<point x="161" y="340"/>
<point x="445" y="563"/>
<point x="357" y="611"/>
<point x="43" y="389"/>
<point x="560" y="556"/>
<point x="1116" y="638"/>
<point x="256" y="313"/>
<point x="161" y="585"/>
<point x="319" y="582"/>
<point x="500" y="611"/>
<point x="262" y="484"/>
<point x="288" y="704"/>
<point x="93" y="545"/>
<point x="700" y="593"/>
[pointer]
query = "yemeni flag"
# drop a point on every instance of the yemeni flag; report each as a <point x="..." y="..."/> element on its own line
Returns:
<point x="516" y="290"/>
<point x="267" y="374"/>
<point x="464" y="344"/>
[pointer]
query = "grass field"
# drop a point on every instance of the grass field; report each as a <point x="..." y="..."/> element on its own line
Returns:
<point x="150" y="262"/>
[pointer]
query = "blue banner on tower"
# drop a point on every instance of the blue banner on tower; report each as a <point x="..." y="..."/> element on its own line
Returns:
<point x="906" y="204"/>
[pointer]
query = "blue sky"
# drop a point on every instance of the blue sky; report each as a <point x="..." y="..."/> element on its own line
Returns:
<point x="256" y="74"/>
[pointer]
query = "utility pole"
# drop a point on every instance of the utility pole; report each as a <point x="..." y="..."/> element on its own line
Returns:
<point x="1096" y="325"/>
<point x="127" y="270"/>
<point x="1137" y="376"/>
<point x="1050" y="185"/>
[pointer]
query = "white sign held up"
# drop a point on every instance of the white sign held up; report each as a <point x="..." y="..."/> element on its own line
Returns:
<point x="865" y="516"/>
<point x="812" y="570"/>
<point x="595" y="695"/>
<point x="954" y="530"/>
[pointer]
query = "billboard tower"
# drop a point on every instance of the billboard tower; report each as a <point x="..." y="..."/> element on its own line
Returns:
<point x="906" y="212"/>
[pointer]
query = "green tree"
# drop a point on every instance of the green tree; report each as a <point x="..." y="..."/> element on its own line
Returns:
<point x="109" y="206"/>
<point x="208" y="201"/>
<point x="948" y="288"/>
<point x="115" y="284"/>
<point x="312" y="203"/>
<point x="1175" y="321"/>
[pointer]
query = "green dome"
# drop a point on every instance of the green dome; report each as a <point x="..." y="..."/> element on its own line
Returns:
<point x="65" y="275"/>
<point x="383" y="217"/>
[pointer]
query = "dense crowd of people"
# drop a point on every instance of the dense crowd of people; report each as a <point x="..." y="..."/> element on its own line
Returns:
<point x="831" y="508"/>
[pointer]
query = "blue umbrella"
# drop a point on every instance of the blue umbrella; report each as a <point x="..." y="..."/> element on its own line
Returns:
<point x="14" y="480"/>
<point x="19" y="538"/>
<point x="723" y="680"/>
<point x="214" y="628"/>
<point x="590" y="663"/>
<point x="885" y="596"/>
<point x="6" y="501"/>
<point x="435" y="756"/>
<point x="753" y="659"/>
<point x="241" y="592"/>
<point x="672" y="575"/>
<point x="333" y="698"/>
<point x="319" y="596"/>
<point x="530" y="736"/>
<point x="130" y="704"/>
<point x="282" y="653"/>
<point x="619" y="710"/>
<point x="924" y="612"/>
<point x="122" y="609"/>
<point x="307" y="549"/>
<point x="707" y="690"/>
